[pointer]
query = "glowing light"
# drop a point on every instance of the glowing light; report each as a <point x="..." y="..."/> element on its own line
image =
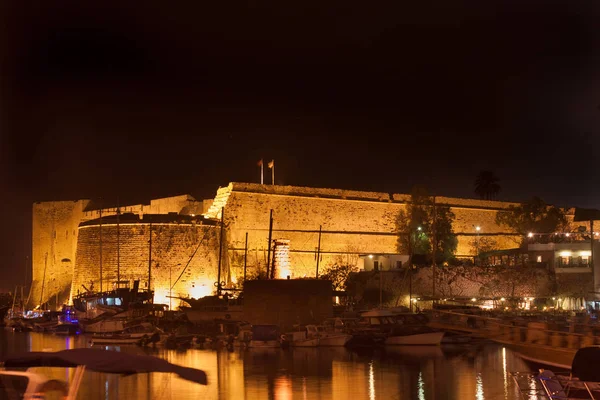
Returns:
<point x="473" y="299"/>
<point x="479" y="393"/>
<point x="200" y="290"/>
<point x="530" y="234"/>
<point x="585" y="253"/>
<point x="371" y="382"/>
<point x="193" y="215"/>
<point x="531" y="298"/>
<point x="283" y="388"/>
<point x="414" y="300"/>
<point x="505" y="372"/>
<point x="419" y="228"/>
<point x="160" y="296"/>
<point x="567" y="234"/>
<point x="502" y="299"/>
<point x="370" y="255"/>
<point x="421" y="386"/>
<point x="554" y="298"/>
<point x="477" y="228"/>
<point x="565" y="253"/>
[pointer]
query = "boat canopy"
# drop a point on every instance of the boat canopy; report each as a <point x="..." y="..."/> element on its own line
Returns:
<point x="107" y="361"/>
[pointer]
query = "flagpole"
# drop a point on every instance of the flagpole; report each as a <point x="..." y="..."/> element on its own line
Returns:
<point x="273" y="174"/>
<point x="262" y="174"/>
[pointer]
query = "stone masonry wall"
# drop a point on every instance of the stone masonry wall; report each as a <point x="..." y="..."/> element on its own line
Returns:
<point x="54" y="240"/>
<point x="173" y="245"/>
<point x="352" y="223"/>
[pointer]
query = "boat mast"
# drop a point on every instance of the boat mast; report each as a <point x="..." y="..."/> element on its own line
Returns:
<point x="220" y="253"/>
<point x="100" y="248"/>
<point x="245" y="256"/>
<point x="118" y="246"/>
<point x="150" y="257"/>
<point x="318" y="253"/>
<point x="44" y="280"/>
<point x="270" y="237"/>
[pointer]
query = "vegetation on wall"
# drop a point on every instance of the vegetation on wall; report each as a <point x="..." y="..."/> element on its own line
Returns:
<point x="415" y="227"/>
<point x="533" y="216"/>
<point x="338" y="275"/>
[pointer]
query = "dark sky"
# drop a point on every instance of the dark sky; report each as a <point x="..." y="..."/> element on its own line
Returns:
<point x="152" y="99"/>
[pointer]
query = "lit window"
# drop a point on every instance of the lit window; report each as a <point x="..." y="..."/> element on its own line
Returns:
<point x="539" y="259"/>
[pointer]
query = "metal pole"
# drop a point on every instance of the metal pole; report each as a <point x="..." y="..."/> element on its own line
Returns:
<point x="592" y="256"/>
<point x="220" y="253"/>
<point x="245" y="256"/>
<point x="380" y="288"/>
<point x="318" y="253"/>
<point x="410" y="288"/>
<point x="150" y="258"/>
<point x="433" y="264"/>
<point x="44" y="279"/>
<point x="270" y="237"/>
<point x="170" y="287"/>
<point x="118" y="246"/>
<point x="100" y="248"/>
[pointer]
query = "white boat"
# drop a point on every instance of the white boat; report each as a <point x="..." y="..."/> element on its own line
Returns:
<point x="301" y="338"/>
<point x="392" y="327"/>
<point x="29" y="385"/>
<point x="140" y="333"/>
<point x="327" y="337"/>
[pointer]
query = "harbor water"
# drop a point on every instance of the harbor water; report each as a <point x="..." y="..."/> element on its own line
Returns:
<point x="478" y="371"/>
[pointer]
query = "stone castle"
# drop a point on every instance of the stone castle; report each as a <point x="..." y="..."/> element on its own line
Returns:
<point x="173" y="243"/>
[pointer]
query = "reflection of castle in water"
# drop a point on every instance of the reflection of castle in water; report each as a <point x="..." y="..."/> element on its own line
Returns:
<point x="460" y="372"/>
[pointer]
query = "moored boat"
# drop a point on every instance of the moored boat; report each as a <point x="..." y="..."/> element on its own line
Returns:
<point x="265" y="336"/>
<point x="390" y="327"/>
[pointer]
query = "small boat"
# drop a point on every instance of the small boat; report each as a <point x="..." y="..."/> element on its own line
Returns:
<point x="300" y="338"/>
<point x="140" y="333"/>
<point x="327" y="337"/>
<point x="114" y="340"/>
<point x="33" y="385"/>
<point x="581" y="382"/>
<point x="389" y="327"/>
<point x="265" y="336"/>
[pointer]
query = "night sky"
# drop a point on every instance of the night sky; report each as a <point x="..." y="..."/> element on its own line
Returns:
<point x="138" y="101"/>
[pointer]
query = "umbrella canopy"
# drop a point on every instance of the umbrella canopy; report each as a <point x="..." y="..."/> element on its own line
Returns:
<point x="112" y="362"/>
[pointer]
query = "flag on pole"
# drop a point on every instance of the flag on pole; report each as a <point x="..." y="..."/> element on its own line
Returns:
<point x="260" y="164"/>
<point x="272" y="166"/>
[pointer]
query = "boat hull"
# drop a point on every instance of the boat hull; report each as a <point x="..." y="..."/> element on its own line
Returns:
<point x="545" y="355"/>
<point x="334" y="340"/>
<point x="264" y="344"/>
<point x="419" y="339"/>
<point x="305" y="343"/>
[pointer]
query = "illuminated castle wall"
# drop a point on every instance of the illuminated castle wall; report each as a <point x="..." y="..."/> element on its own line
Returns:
<point x="66" y="236"/>
<point x="352" y="223"/>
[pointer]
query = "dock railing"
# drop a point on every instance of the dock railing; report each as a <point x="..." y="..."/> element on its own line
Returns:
<point x="501" y="330"/>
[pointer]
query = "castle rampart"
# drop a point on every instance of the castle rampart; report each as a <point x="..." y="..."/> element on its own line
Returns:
<point x="351" y="224"/>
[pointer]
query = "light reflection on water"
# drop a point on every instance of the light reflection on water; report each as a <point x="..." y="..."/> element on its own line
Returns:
<point x="452" y="372"/>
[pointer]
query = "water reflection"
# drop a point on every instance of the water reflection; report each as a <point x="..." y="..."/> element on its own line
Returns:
<point x="452" y="372"/>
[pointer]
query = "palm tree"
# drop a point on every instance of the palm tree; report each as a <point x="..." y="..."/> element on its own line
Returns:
<point x="486" y="185"/>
